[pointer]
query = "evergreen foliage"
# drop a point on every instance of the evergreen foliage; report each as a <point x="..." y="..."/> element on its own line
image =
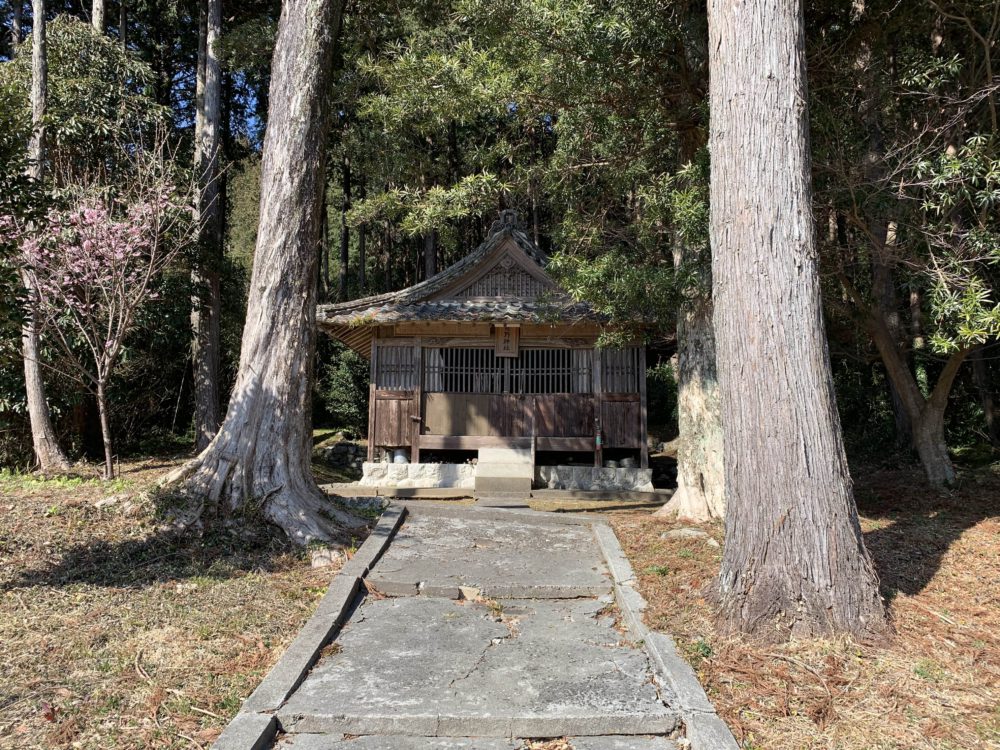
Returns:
<point x="589" y="117"/>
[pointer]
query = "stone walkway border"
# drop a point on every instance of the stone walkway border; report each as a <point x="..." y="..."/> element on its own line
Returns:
<point x="705" y="730"/>
<point x="255" y="726"/>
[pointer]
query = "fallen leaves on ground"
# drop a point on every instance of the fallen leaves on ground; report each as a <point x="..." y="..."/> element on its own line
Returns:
<point x="934" y="684"/>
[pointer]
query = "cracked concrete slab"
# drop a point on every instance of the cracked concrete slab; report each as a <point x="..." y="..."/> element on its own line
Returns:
<point x="438" y="667"/>
<point x="436" y="555"/>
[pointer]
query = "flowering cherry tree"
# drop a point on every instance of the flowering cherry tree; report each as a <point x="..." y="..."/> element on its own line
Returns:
<point x="92" y="264"/>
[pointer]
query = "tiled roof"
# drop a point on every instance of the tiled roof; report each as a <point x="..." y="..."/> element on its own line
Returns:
<point x="471" y="310"/>
<point x="426" y="301"/>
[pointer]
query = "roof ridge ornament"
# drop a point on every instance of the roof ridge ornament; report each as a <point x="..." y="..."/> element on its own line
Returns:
<point x="508" y="220"/>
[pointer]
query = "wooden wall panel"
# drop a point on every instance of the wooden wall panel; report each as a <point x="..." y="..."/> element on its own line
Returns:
<point x="510" y="415"/>
<point x="564" y="415"/>
<point x="620" y="421"/>
<point x="457" y="414"/>
<point x="392" y="419"/>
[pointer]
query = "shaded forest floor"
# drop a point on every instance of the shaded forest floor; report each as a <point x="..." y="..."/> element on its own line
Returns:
<point x="934" y="684"/>
<point x="116" y="634"/>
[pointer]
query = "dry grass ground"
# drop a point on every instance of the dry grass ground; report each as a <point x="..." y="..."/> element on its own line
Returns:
<point x="115" y="634"/>
<point x="934" y="684"/>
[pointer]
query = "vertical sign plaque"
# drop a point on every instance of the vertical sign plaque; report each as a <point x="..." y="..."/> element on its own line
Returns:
<point x="506" y="340"/>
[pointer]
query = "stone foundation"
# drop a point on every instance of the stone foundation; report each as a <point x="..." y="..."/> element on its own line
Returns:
<point x="462" y="476"/>
<point x="344" y="454"/>
<point x="593" y="478"/>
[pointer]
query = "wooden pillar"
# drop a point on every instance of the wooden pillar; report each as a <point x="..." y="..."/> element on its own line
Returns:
<point x="371" y="402"/>
<point x="417" y="410"/>
<point x="641" y="375"/>
<point x="598" y="398"/>
<point x="534" y="432"/>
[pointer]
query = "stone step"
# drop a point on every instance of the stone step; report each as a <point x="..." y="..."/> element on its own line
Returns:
<point x="502" y="499"/>
<point x="402" y="742"/>
<point x="505" y="456"/>
<point x="503" y="470"/>
<point x="512" y="484"/>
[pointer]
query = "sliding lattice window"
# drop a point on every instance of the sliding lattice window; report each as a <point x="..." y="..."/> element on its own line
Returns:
<point x="479" y="370"/>
<point x="395" y="368"/>
<point x="620" y="370"/>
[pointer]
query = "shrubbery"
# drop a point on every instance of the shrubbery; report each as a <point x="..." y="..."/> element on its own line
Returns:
<point x="341" y="395"/>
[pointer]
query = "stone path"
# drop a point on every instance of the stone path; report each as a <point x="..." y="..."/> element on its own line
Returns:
<point x="488" y="629"/>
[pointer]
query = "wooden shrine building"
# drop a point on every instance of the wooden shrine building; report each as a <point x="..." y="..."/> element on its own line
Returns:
<point x="491" y="354"/>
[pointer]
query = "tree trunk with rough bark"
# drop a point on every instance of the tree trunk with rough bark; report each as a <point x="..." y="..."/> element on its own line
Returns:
<point x="345" y="231"/>
<point x="700" y="492"/>
<point x="985" y="386"/>
<point x="362" y="260"/>
<point x="260" y="457"/>
<point x="123" y="23"/>
<point x="430" y="254"/>
<point x="17" y="14"/>
<point x="926" y="414"/>
<point x="362" y="245"/>
<point x="794" y="562"/>
<point x="102" y="409"/>
<point x="882" y="230"/>
<point x="97" y="15"/>
<point x="48" y="454"/>
<point x="884" y="292"/>
<point x="206" y="309"/>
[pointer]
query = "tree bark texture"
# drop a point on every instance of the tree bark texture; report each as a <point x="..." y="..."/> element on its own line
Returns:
<point x="261" y="454"/>
<point x="48" y="454"/>
<point x="206" y="309"/>
<point x="794" y="562"/>
<point x="97" y="15"/>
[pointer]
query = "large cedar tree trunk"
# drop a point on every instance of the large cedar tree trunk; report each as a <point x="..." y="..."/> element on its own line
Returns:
<point x="48" y="454"/>
<point x="206" y="309"/>
<point x="700" y="492"/>
<point x="260" y="457"/>
<point x="794" y="562"/>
